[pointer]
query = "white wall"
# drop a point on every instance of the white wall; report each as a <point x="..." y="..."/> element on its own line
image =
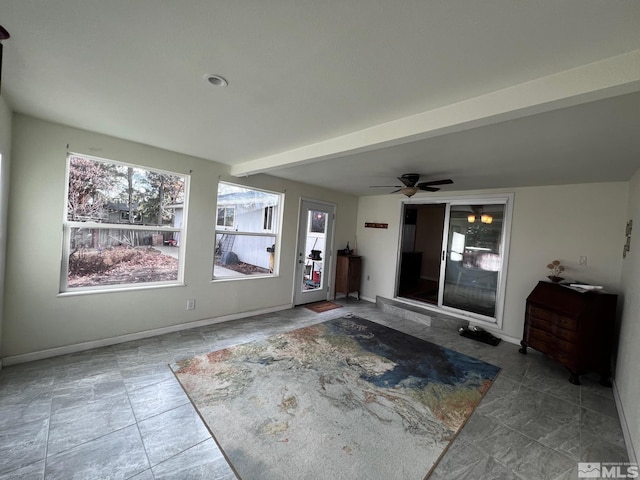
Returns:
<point x="5" y="151"/>
<point x="627" y="383"/>
<point x="557" y="222"/>
<point x="37" y="318"/>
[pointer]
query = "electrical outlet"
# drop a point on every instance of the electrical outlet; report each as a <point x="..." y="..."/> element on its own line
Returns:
<point x="191" y="304"/>
<point x="583" y="261"/>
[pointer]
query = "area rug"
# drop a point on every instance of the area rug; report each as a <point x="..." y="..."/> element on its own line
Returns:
<point x="320" y="307"/>
<point x="344" y="399"/>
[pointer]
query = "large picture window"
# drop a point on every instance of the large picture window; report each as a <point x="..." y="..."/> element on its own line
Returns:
<point x="124" y="225"/>
<point x="247" y="232"/>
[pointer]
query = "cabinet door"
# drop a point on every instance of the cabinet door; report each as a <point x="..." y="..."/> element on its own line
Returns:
<point x="354" y="274"/>
<point x="342" y="272"/>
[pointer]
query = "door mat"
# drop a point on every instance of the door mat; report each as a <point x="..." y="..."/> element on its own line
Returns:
<point x="320" y="307"/>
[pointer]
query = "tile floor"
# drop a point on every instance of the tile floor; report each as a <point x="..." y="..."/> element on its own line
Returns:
<point x="118" y="412"/>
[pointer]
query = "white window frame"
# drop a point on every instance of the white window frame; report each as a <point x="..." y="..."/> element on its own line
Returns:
<point x="275" y="233"/>
<point x="68" y="225"/>
<point x="267" y="224"/>
<point x="224" y="217"/>
<point x="506" y="199"/>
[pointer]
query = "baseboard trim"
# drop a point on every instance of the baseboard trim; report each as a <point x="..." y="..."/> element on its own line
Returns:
<point x="105" y="342"/>
<point x="633" y="457"/>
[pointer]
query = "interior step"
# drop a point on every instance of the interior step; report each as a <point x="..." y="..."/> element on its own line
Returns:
<point x="419" y="314"/>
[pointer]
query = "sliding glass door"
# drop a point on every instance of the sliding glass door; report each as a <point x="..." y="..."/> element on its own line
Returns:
<point x="454" y="254"/>
<point x="473" y="258"/>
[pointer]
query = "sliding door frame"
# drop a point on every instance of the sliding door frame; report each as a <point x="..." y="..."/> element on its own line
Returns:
<point x="505" y="199"/>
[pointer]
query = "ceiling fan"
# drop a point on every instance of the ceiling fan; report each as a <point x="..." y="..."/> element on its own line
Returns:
<point x="412" y="185"/>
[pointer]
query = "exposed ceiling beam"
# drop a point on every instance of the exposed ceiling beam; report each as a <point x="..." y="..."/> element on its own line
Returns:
<point x="603" y="79"/>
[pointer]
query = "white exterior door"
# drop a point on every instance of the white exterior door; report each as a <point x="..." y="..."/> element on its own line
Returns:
<point x="313" y="254"/>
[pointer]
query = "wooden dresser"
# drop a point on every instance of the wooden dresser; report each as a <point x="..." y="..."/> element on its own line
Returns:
<point x="573" y="328"/>
<point x="348" y="269"/>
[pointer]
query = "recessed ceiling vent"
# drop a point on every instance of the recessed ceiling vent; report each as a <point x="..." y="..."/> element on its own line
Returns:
<point x="216" y="80"/>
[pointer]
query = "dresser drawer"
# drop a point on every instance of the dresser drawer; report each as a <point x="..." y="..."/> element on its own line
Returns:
<point x="566" y="322"/>
<point x="551" y="343"/>
<point x="540" y="313"/>
<point x="547" y="315"/>
<point x="553" y="328"/>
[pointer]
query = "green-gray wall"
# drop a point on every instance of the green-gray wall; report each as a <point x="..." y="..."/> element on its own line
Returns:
<point x="553" y="222"/>
<point x="627" y="383"/>
<point x="5" y="152"/>
<point x="37" y="319"/>
<point x="549" y="222"/>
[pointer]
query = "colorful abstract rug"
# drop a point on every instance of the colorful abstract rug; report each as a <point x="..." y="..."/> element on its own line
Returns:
<point x="344" y="399"/>
<point x="320" y="307"/>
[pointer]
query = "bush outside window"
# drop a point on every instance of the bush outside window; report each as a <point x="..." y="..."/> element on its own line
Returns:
<point x="247" y="246"/>
<point x="124" y="225"/>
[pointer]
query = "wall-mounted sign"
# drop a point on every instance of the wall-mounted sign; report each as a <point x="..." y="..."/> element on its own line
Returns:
<point x="376" y="225"/>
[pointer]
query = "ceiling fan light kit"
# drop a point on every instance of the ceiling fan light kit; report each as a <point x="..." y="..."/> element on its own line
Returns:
<point x="409" y="191"/>
<point x="478" y="214"/>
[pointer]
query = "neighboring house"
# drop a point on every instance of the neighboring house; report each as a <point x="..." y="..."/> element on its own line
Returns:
<point x="178" y="218"/>
<point x="119" y="213"/>
<point x="253" y="212"/>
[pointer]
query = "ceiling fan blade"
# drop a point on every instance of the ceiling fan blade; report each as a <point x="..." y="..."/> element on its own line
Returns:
<point x="410" y="180"/>
<point x="436" y="182"/>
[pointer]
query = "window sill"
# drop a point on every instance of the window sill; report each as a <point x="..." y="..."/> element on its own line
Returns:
<point x="240" y="278"/>
<point x="118" y="289"/>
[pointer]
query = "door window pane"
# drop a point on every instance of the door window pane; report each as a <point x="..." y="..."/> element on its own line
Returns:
<point x="313" y="278"/>
<point x="474" y="258"/>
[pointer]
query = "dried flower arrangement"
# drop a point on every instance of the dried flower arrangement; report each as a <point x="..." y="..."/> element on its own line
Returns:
<point x="555" y="270"/>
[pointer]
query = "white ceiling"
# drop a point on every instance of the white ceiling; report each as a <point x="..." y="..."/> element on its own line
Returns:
<point x="348" y="93"/>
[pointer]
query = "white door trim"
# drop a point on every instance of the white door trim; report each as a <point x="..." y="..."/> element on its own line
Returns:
<point x="298" y="297"/>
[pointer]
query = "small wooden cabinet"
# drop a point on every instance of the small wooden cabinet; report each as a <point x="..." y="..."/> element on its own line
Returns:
<point x="573" y="328"/>
<point x="348" y="269"/>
